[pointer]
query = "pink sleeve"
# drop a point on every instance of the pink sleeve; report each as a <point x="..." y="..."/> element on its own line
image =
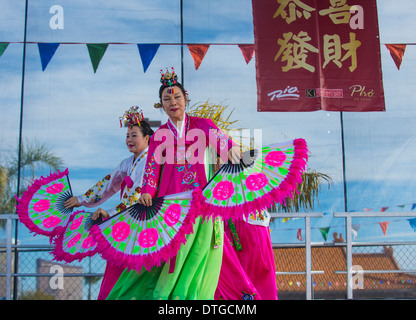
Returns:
<point x="152" y="170"/>
<point x="218" y="139"/>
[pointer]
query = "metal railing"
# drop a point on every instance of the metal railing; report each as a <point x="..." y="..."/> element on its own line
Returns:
<point x="350" y="243"/>
<point x="307" y="245"/>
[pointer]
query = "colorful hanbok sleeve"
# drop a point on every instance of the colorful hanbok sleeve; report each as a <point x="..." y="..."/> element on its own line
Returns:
<point x="131" y="188"/>
<point x="105" y="188"/>
<point x="217" y="138"/>
<point x="152" y="169"/>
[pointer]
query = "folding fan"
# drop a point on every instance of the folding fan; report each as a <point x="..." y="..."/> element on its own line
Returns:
<point x="41" y="207"/>
<point x="146" y="236"/>
<point x="75" y="242"/>
<point x="254" y="184"/>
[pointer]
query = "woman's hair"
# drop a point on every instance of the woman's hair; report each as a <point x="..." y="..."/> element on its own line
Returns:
<point x="145" y="128"/>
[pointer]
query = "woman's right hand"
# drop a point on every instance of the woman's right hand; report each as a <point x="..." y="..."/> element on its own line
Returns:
<point x="145" y="199"/>
<point x="72" y="202"/>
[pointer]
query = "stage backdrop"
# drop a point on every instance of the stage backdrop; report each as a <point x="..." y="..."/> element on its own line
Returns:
<point x="317" y="55"/>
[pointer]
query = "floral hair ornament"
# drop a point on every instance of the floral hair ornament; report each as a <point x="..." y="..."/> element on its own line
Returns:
<point x="169" y="79"/>
<point x="132" y="116"/>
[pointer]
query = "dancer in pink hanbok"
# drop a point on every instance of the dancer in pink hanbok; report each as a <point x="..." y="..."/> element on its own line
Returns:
<point x="176" y="163"/>
<point x="127" y="178"/>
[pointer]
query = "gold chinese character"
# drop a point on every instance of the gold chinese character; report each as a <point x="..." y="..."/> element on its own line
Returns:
<point x="296" y="53"/>
<point x="333" y="48"/>
<point x="293" y="11"/>
<point x="339" y="11"/>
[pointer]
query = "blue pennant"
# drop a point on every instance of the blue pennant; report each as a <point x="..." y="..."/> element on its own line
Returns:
<point x="412" y="223"/>
<point x="147" y="53"/>
<point x="46" y="52"/>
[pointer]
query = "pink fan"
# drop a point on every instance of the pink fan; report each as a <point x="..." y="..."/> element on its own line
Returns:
<point x="41" y="207"/>
<point x="143" y="236"/>
<point x="262" y="178"/>
<point x="75" y="242"/>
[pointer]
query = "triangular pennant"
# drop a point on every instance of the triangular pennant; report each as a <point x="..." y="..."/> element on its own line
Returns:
<point x="384" y="226"/>
<point x="46" y="52"/>
<point x="147" y="53"/>
<point x="3" y="46"/>
<point x="384" y="209"/>
<point x="247" y="50"/>
<point x="367" y="210"/>
<point x="324" y="232"/>
<point x="96" y="51"/>
<point x="397" y="53"/>
<point x="413" y="206"/>
<point x="412" y="223"/>
<point x="198" y="52"/>
<point x="299" y="235"/>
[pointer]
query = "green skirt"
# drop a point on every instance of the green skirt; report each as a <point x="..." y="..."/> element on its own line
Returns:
<point x="196" y="274"/>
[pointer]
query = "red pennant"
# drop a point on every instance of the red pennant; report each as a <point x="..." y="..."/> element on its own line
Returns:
<point x="198" y="52"/>
<point x="397" y="53"/>
<point x="247" y="50"/>
<point x="384" y="226"/>
<point x="384" y="209"/>
<point x="299" y="235"/>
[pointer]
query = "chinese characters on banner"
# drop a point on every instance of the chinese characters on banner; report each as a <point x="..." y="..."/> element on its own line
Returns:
<point x="317" y="55"/>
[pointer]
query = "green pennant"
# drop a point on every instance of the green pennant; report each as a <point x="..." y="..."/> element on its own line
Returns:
<point x="324" y="232"/>
<point x="3" y="46"/>
<point x="96" y="51"/>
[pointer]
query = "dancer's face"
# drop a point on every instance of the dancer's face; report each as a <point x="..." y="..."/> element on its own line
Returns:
<point x="174" y="103"/>
<point x="135" y="140"/>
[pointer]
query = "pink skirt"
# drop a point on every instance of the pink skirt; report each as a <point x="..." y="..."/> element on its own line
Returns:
<point x="249" y="273"/>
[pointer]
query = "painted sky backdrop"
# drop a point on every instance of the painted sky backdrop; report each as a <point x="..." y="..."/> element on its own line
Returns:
<point x="75" y="111"/>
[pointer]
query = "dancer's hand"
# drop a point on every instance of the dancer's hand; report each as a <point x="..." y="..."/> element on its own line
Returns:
<point x="234" y="154"/>
<point x="145" y="199"/>
<point x="100" y="212"/>
<point x="72" y="202"/>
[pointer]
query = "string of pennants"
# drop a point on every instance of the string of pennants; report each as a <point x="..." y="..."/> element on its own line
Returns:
<point x="147" y="51"/>
<point x="355" y="228"/>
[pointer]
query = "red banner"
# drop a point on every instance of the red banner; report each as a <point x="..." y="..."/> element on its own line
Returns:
<point x="317" y="55"/>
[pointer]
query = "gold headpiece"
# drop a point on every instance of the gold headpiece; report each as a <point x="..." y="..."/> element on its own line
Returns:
<point x="131" y="117"/>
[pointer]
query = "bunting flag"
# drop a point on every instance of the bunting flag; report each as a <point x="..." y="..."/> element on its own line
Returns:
<point x="247" y="51"/>
<point x="412" y="223"/>
<point x="46" y="52"/>
<point x="3" y="46"/>
<point x="413" y="206"/>
<point x="147" y="53"/>
<point x="384" y="209"/>
<point x="384" y="226"/>
<point x="96" y="52"/>
<point x="324" y="232"/>
<point x="198" y="52"/>
<point x="397" y="53"/>
<point x="299" y="235"/>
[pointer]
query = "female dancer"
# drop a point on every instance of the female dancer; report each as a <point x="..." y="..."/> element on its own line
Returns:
<point x="172" y="166"/>
<point x="127" y="178"/>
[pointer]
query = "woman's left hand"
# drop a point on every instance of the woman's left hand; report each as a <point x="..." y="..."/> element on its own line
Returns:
<point x="234" y="154"/>
<point x="100" y="212"/>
